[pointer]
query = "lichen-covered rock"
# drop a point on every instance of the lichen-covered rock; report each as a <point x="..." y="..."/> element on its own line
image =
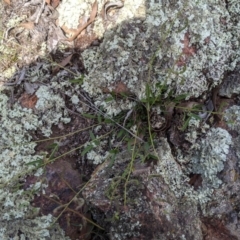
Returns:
<point x="232" y="118"/>
<point x="224" y="202"/>
<point x="36" y="228"/>
<point x="184" y="45"/>
<point x="209" y="159"/>
<point x="18" y="219"/>
<point x="157" y="201"/>
<point x="152" y="204"/>
<point x="231" y="84"/>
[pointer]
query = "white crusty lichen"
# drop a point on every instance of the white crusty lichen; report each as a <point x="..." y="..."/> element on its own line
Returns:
<point x="18" y="219"/>
<point x="52" y="108"/>
<point x="206" y="159"/>
<point x="97" y="154"/>
<point x="232" y="117"/>
<point x="168" y="168"/>
<point x="38" y="228"/>
<point x="191" y="42"/>
<point x="209" y="156"/>
<point x="176" y="178"/>
<point x="75" y="99"/>
<point x="71" y="11"/>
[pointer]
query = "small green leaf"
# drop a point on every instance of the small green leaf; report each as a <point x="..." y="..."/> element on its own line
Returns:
<point x="77" y="80"/>
<point x="55" y="147"/>
<point x="109" y="99"/>
<point x="146" y="147"/>
<point x="97" y="142"/>
<point x="194" y="116"/>
<point x="92" y="135"/>
<point x="113" y="153"/>
<point x="52" y="146"/>
<point x="86" y="150"/>
<point x="180" y="97"/>
<point x="148" y="93"/>
<point x="151" y="156"/>
<point x="107" y="120"/>
<point x="120" y="133"/>
<point x="129" y="145"/>
<point x="99" y="119"/>
<point x="39" y="162"/>
<point x="86" y="115"/>
<point x="124" y="95"/>
<point x="186" y="124"/>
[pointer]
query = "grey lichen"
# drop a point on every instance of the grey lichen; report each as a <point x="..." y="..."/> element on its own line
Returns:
<point x="169" y="169"/>
<point x="98" y="154"/>
<point x="51" y="106"/>
<point x="231" y="85"/>
<point x="17" y="151"/>
<point x="210" y="155"/>
<point x="232" y="118"/>
<point x="191" y="42"/>
<point x="176" y="177"/>
<point x="36" y="228"/>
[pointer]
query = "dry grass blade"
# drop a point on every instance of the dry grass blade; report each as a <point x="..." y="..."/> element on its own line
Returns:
<point x="92" y="18"/>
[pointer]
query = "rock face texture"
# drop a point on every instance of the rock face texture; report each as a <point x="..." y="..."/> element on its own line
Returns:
<point x="184" y="45"/>
<point x="186" y="194"/>
<point x="154" y="200"/>
<point x="143" y="206"/>
<point x="187" y="188"/>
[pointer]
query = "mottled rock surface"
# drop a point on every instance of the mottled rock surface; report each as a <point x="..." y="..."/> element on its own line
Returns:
<point x="143" y="206"/>
<point x="186" y="47"/>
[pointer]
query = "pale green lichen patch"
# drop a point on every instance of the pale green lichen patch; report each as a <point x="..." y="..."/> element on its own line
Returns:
<point x="210" y="155"/>
<point x="193" y="47"/>
<point x="168" y="168"/>
<point x="17" y="151"/>
<point x="75" y="9"/>
<point x="232" y="118"/>
<point x="231" y="85"/>
<point x="36" y="228"/>
<point x="52" y="108"/>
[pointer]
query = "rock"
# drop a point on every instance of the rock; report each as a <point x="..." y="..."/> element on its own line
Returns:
<point x="141" y="205"/>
